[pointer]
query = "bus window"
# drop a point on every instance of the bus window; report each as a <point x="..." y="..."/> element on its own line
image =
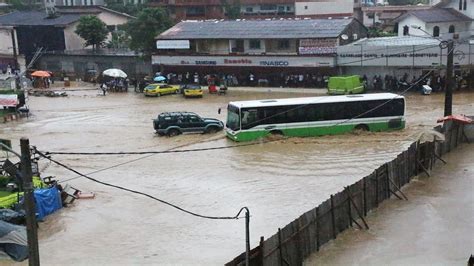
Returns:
<point x="249" y="118"/>
<point x="233" y="118"/>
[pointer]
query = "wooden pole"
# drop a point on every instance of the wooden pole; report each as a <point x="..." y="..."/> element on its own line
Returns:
<point x="317" y="229"/>
<point x="355" y="207"/>
<point x="247" y="237"/>
<point x="448" y="98"/>
<point x="31" y="229"/>
<point x="376" y="188"/>
<point x="365" y="195"/>
<point x="333" y="218"/>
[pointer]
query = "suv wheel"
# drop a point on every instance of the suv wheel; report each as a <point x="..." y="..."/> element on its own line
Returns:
<point x="211" y="130"/>
<point x="173" y="132"/>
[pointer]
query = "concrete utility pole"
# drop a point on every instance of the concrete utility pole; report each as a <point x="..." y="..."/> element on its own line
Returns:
<point x="448" y="99"/>
<point x="31" y="230"/>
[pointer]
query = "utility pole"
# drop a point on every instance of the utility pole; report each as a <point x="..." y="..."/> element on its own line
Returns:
<point x="448" y="99"/>
<point x="31" y="230"/>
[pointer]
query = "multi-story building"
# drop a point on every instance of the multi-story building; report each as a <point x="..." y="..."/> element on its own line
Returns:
<point x="219" y="9"/>
<point x="266" y="48"/>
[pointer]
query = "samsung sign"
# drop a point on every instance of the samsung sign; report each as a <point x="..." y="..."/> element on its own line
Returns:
<point x="173" y="44"/>
<point x="257" y="61"/>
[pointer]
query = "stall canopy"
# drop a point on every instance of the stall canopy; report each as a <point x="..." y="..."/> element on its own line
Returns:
<point x="9" y="100"/>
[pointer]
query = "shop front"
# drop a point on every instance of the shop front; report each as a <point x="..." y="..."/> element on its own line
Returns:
<point x="249" y="70"/>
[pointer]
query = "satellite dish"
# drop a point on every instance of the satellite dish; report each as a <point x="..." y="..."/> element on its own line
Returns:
<point x="344" y="37"/>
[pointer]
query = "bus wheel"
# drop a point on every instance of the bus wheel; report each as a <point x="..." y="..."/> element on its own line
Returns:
<point x="362" y="127"/>
<point x="276" y="133"/>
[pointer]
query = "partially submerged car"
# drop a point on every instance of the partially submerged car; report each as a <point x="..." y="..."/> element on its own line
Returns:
<point x="191" y="90"/>
<point x="158" y="89"/>
<point x="175" y="123"/>
<point x="345" y="85"/>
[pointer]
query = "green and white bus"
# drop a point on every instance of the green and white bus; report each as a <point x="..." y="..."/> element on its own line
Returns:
<point x="314" y="116"/>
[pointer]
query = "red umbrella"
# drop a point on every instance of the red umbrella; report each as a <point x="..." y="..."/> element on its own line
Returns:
<point x="41" y="74"/>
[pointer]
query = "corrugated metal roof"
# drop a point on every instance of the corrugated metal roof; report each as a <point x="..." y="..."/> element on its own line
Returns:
<point x="438" y="15"/>
<point x="36" y="18"/>
<point x="396" y="41"/>
<point x="257" y="29"/>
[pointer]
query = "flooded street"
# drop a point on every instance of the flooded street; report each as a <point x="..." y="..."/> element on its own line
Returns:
<point x="277" y="181"/>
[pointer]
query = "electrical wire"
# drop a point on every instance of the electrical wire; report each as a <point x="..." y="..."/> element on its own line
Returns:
<point x="139" y="192"/>
<point x="233" y="146"/>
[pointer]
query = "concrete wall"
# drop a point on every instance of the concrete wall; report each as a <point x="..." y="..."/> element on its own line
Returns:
<point x="409" y="21"/>
<point x="6" y="45"/>
<point x="111" y="19"/>
<point x="325" y="7"/>
<point x="75" y="66"/>
<point x="72" y="40"/>
<point x="461" y="28"/>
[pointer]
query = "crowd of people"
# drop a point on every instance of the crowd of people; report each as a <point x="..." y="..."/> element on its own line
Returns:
<point x="114" y="85"/>
<point x="387" y="82"/>
<point x="436" y="81"/>
<point x="277" y="79"/>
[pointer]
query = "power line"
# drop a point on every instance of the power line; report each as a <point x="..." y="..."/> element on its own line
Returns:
<point x="149" y="152"/>
<point x="139" y="192"/>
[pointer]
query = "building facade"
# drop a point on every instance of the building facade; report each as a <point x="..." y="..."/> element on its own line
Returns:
<point x="266" y="48"/>
<point x="441" y="22"/>
<point x="253" y="9"/>
<point x="33" y="30"/>
<point x="408" y="56"/>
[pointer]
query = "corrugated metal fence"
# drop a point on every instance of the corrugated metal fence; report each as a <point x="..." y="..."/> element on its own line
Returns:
<point x="305" y="235"/>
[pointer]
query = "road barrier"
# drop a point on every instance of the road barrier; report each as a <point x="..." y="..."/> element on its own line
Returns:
<point x="305" y="235"/>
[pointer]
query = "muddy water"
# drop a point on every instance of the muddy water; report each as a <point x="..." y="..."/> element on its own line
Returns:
<point x="434" y="227"/>
<point x="277" y="181"/>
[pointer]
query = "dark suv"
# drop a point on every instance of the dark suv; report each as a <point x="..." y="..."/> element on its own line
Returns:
<point x="175" y="123"/>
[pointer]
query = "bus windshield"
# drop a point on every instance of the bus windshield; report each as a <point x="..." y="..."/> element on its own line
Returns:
<point x="233" y="118"/>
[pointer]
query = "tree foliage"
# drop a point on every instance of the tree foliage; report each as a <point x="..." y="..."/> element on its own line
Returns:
<point x="143" y="30"/>
<point x="119" y="40"/>
<point x="93" y="30"/>
<point x="376" y="32"/>
<point x="232" y="9"/>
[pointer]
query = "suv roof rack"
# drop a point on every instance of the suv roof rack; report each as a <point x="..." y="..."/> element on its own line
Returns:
<point x="177" y="113"/>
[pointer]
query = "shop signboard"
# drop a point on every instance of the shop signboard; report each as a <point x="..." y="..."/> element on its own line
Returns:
<point x="252" y="61"/>
<point x="172" y="44"/>
<point x="317" y="46"/>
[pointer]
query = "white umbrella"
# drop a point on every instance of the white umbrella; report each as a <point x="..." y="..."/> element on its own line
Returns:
<point x="114" y="73"/>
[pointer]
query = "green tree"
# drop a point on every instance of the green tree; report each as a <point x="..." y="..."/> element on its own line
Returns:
<point x="93" y="30"/>
<point x="376" y="32"/>
<point x="119" y="40"/>
<point x="143" y="30"/>
<point x="232" y="10"/>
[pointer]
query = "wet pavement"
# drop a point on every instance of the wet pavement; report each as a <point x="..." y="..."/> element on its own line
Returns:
<point x="277" y="181"/>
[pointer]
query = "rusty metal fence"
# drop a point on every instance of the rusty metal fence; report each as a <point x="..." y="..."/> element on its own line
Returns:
<point x="348" y="208"/>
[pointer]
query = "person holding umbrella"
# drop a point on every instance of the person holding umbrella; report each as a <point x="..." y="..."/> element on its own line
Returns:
<point x="42" y="76"/>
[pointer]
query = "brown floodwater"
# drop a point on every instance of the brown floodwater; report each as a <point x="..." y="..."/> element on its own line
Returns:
<point x="277" y="181"/>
